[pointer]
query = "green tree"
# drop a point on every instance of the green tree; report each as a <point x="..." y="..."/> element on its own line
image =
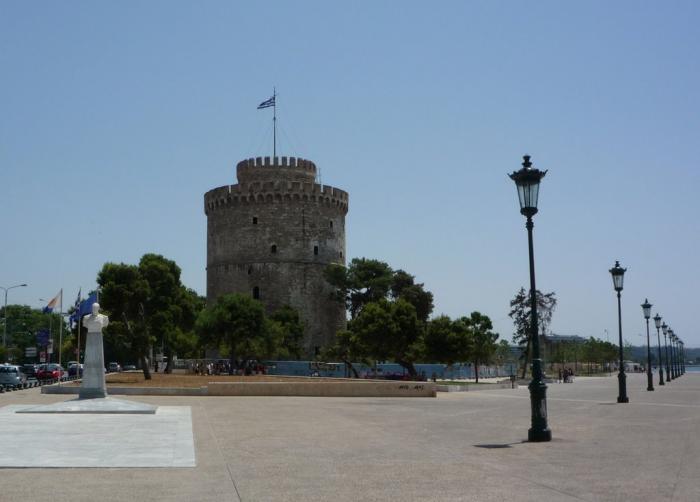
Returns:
<point x="447" y="341"/>
<point x="404" y="287"/>
<point x="285" y="334"/>
<point x="483" y="339"/>
<point x="390" y="331"/>
<point x="123" y="295"/>
<point x="520" y="312"/>
<point x="347" y="348"/>
<point x="148" y="305"/>
<point x="23" y="323"/>
<point x="362" y="282"/>
<point x="236" y="324"/>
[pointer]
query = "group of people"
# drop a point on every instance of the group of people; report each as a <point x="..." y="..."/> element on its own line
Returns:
<point x="566" y="376"/>
<point x="224" y="368"/>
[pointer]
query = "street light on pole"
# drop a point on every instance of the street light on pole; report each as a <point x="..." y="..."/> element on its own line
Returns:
<point x="664" y="330"/>
<point x="527" y="181"/>
<point x="646" y="308"/>
<point x="657" y="323"/>
<point x="671" y="338"/>
<point x="4" y="333"/>
<point x="618" y="276"/>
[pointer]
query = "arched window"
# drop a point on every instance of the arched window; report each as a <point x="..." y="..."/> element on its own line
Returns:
<point x="273" y="249"/>
<point x="331" y="223"/>
<point x="256" y="293"/>
<point x="316" y="250"/>
<point x="255" y="220"/>
<point x="250" y="270"/>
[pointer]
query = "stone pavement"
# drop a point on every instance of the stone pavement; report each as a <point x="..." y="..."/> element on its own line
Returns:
<point x="459" y="446"/>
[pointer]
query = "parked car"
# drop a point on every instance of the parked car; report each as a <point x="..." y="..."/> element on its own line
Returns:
<point x="113" y="367"/>
<point x="11" y="375"/>
<point x="129" y="367"/>
<point x="50" y="372"/>
<point x="30" y="369"/>
<point x="73" y="369"/>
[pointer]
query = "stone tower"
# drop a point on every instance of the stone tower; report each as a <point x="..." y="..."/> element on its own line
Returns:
<point x="271" y="236"/>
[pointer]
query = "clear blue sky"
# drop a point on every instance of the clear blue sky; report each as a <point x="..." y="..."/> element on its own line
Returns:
<point x="116" y="117"/>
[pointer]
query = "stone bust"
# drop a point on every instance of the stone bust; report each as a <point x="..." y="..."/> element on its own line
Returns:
<point x="95" y="322"/>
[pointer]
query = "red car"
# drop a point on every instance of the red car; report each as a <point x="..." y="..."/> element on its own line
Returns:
<point x="50" y="372"/>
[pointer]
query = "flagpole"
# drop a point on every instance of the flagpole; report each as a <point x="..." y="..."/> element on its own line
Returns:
<point x="274" y="124"/>
<point x="60" y="335"/>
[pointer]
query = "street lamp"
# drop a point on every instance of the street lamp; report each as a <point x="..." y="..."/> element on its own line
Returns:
<point x="671" y="338"/>
<point x="618" y="276"/>
<point x="4" y="333"/>
<point x="657" y="323"/>
<point x="527" y="181"/>
<point x="646" y="308"/>
<point x="682" y="357"/>
<point x="664" y="330"/>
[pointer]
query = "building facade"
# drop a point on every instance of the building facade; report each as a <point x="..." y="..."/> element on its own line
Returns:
<point x="272" y="234"/>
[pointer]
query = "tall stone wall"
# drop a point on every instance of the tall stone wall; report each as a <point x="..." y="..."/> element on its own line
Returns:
<point x="271" y="236"/>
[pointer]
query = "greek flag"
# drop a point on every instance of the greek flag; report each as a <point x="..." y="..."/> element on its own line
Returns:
<point x="266" y="104"/>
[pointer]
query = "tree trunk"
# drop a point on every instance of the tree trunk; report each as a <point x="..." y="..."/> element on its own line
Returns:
<point x="349" y="365"/>
<point x="144" y="365"/>
<point x="527" y="357"/>
<point x="410" y="368"/>
<point x="169" y="366"/>
<point x="476" y="371"/>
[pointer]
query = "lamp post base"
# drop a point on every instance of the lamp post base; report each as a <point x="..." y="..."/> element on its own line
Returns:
<point x="539" y="431"/>
<point x="661" y="377"/>
<point x="539" y="435"/>
<point x="622" y="386"/>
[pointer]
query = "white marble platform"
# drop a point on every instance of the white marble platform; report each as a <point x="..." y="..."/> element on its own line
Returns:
<point x="101" y="405"/>
<point x="160" y="439"/>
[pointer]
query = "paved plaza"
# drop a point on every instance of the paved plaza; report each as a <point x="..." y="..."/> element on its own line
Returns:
<point x="458" y="446"/>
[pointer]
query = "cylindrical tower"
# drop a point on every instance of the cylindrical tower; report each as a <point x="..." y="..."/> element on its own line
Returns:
<point x="271" y="236"/>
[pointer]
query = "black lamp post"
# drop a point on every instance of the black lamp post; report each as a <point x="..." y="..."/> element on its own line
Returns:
<point x="671" y="337"/>
<point x="664" y="329"/>
<point x="676" y="352"/>
<point x="618" y="276"/>
<point x="657" y="323"/>
<point x="682" y="357"/>
<point x="527" y="180"/>
<point x="646" y="308"/>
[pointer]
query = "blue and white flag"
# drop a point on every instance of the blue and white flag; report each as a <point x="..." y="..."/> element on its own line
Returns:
<point x="267" y="104"/>
<point x="83" y="307"/>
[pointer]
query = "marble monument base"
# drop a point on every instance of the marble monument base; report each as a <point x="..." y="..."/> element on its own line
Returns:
<point x="106" y="405"/>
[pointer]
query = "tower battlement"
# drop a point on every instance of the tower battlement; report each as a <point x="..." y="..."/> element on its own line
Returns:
<point x="280" y="192"/>
<point x="277" y="168"/>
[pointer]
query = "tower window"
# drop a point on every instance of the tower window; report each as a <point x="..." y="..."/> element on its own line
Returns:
<point x="341" y="254"/>
<point x="273" y="249"/>
<point x="250" y="270"/>
<point x="256" y="293"/>
<point x="331" y="223"/>
<point x="316" y="250"/>
<point x="255" y="220"/>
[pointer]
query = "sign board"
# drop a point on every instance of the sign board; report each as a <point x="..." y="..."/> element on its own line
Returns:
<point x="30" y="352"/>
<point x="42" y="357"/>
<point x="42" y="337"/>
<point x="49" y="347"/>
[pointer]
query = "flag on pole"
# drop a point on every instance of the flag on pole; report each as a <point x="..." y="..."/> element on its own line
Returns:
<point x="55" y="301"/>
<point x="267" y="104"/>
<point x="76" y="306"/>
